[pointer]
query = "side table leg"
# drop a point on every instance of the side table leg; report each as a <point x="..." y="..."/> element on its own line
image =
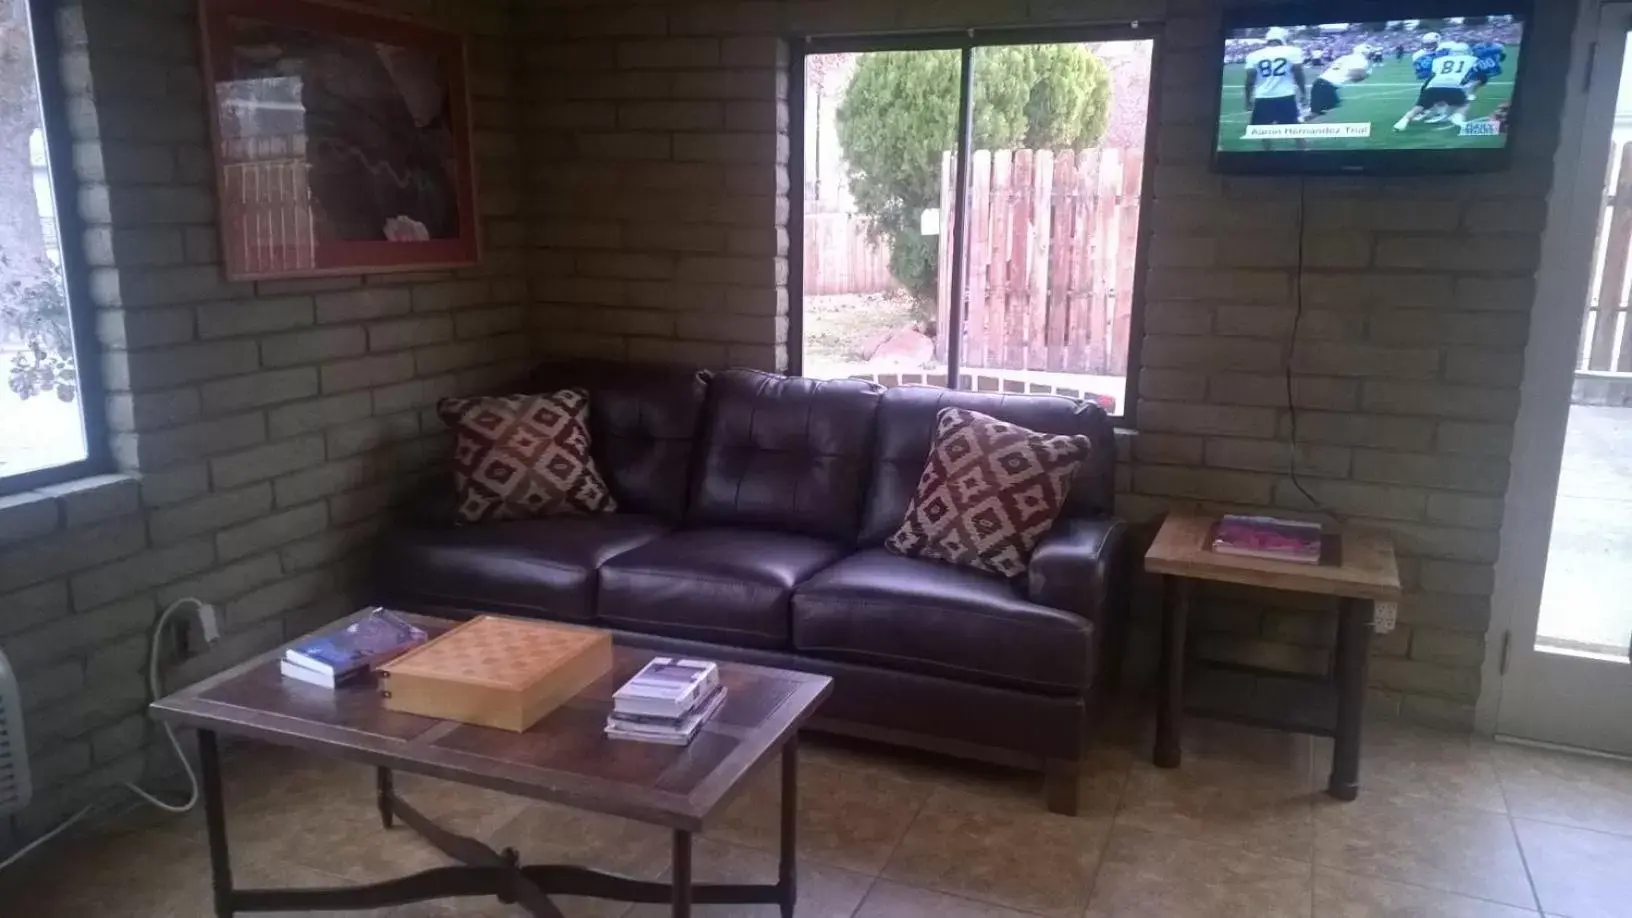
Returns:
<point x="215" y="821"/>
<point x="1353" y="656"/>
<point x="787" y="867"/>
<point x="682" y="874"/>
<point x="1170" y="709"/>
<point x="383" y="788"/>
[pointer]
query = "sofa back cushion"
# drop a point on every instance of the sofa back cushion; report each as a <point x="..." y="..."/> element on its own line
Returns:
<point x="785" y="453"/>
<point x="643" y="422"/>
<point x="906" y="425"/>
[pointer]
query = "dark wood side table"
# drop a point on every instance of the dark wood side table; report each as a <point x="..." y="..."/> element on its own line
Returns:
<point x="1357" y="567"/>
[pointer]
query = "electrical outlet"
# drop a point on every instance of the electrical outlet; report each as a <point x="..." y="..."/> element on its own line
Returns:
<point x="192" y="635"/>
<point x="1386" y="616"/>
<point x="186" y="638"/>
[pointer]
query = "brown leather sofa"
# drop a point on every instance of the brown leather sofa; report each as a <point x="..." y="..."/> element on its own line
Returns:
<point x="753" y="509"/>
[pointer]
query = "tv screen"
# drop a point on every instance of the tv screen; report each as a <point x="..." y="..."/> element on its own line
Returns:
<point x="1431" y="94"/>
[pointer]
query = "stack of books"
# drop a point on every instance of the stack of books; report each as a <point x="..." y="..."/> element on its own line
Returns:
<point x="667" y="702"/>
<point x="1268" y="537"/>
<point x="342" y="657"/>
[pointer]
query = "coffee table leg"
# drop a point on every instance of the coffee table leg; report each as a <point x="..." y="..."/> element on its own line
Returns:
<point x="215" y="821"/>
<point x="383" y="789"/>
<point x="1170" y="709"/>
<point x="682" y="874"/>
<point x="787" y="870"/>
<point x="1353" y="655"/>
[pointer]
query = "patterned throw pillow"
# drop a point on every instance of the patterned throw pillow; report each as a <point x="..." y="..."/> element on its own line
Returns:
<point x="523" y="456"/>
<point x="989" y="494"/>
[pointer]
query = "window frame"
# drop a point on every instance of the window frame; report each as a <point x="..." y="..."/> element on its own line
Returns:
<point x="966" y="41"/>
<point x="59" y="154"/>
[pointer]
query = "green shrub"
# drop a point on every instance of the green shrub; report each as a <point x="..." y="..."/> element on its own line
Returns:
<point x="900" y="114"/>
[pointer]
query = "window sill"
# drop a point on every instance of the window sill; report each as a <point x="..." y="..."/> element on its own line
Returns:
<point x="1125" y="436"/>
<point x="28" y="514"/>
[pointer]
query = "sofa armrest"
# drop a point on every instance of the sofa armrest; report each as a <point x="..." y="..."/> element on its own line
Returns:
<point x="1079" y="567"/>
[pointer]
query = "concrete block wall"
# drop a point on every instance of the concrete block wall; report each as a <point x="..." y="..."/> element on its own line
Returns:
<point x="657" y="219"/>
<point x="264" y="432"/>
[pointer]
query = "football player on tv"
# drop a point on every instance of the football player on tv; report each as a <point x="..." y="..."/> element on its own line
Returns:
<point x="1353" y="67"/>
<point x="1455" y="73"/>
<point x="1276" y="91"/>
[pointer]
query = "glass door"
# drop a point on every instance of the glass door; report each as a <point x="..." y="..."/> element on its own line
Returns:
<point x="1566" y="663"/>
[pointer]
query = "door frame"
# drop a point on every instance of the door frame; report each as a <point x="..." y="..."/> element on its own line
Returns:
<point x="1563" y="284"/>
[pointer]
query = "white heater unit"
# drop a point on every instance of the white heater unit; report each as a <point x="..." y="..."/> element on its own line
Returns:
<point x="15" y="787"/>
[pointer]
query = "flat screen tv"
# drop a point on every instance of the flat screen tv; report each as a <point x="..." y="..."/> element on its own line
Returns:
<point x="1373" y="87"/>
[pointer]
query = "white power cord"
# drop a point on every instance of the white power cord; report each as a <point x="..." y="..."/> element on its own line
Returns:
<point x="61" y="827"/>
<point x="211" y="627"/>
<point x="212" y="633"/>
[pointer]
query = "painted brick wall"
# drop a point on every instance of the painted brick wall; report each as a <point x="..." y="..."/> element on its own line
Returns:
<point x="265" y="429"/>
<point x="657" y="168"/>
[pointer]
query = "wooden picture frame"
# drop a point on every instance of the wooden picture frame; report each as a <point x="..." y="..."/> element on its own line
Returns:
<point x="341" y="138"/>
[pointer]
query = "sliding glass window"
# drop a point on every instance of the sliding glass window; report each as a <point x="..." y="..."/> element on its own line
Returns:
<point x="970" y="209"/>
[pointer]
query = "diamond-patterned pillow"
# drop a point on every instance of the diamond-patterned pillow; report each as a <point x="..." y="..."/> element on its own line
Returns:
<point x="517" y="457"/>
<point x="989" y="493"/>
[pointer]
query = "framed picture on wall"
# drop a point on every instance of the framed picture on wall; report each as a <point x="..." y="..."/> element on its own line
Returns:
<point x="342" y="140"/>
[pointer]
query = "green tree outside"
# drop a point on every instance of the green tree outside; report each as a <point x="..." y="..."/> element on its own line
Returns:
<point x="900" y="114"/>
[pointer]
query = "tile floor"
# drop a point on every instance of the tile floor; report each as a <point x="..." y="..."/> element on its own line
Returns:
<point x="1445" y="826"/>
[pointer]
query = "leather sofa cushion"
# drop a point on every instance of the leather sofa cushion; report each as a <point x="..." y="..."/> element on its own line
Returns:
<point x="906" y="425"/>
<point x="643" y="422"/>
<point x="730" y="586"/>
<point x="547" y="567"/>
<point x="881" y="609"/>
<point x="785" y="453"/>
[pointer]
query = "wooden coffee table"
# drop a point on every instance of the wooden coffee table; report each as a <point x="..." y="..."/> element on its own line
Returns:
<point x="563" y="759"/>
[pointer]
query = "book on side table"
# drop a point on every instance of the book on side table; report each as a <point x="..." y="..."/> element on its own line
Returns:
<point x="667" y="702"/>
<point x="1268" y="537"/>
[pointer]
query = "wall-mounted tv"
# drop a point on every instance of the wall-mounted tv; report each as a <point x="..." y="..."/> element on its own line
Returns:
<point x="1389" y="87"/>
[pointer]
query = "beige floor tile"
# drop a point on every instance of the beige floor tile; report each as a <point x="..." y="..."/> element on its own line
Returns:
<point x="1104" y="772"/>
<point x="893" y="900"/>
<point x="848" y="817"/>
<point x="296" y="876"/>
<point x="286" y="876"/>
<point x="824" y="891"/>
<point x="1144" y="875"/>
<point x="1224" y="803"/>
<point x="340" y="834"/>
<point x="1577" y="790"/>
<point x="977" y="835"/>
<point x="483" y="907"/>
<point x="259" y="777"/>
<point x="1344" y="895"/>
<point x="321" y="813"/>
<point x="459" y="808"/>
<point x="1266" y="751"/>
<point x="991" y="850"/>
<point x="1467" y="851"/>
<point x="110" y="871"/>
<point x="922" y="767"/>
<point x="1578" y="872"/>
<point x="1105" y="776"/>
<point x="1406" y="764"/>
<point x="546" y="833"/>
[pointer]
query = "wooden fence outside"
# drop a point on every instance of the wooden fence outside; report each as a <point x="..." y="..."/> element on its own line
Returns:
<point x="1052" y="245"/>
<point x="270" y="203"/>
<point x="1606" y="342"/>
<point x="840" y="258"/>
